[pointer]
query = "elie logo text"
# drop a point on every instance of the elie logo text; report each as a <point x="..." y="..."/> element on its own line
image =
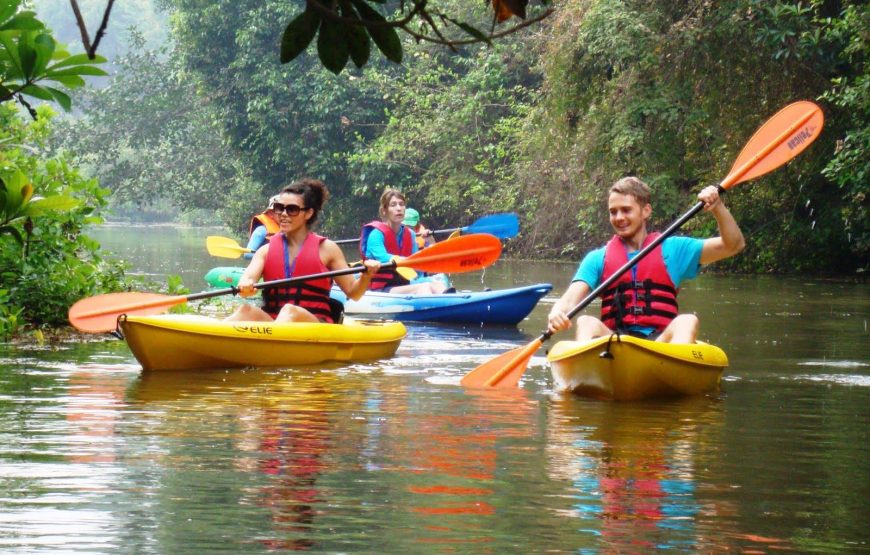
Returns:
<point x="255" y="330"/>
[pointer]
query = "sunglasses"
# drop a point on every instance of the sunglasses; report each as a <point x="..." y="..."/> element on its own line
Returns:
<point x="289" y="209"/>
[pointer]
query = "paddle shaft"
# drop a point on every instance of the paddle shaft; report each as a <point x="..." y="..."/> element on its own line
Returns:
<point x="286" y="281"/>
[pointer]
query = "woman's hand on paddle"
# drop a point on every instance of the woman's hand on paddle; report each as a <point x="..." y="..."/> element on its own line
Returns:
<point x="246" y="286"/>
<point x="372" y="266"/>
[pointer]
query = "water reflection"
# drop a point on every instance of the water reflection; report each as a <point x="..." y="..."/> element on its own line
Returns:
<point x="632" y="468"/>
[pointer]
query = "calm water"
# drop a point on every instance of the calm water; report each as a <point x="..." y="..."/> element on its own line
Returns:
<point x="393" y="456"/>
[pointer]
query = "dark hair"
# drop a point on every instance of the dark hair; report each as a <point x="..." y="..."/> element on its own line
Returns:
<point x="313" y="193"/>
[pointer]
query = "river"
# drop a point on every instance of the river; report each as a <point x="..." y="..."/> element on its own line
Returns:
<point x="392" y="456"/>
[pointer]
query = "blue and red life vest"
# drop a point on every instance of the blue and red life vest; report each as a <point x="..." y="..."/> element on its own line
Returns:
<point x="312" y="295"/>
<point x="643" y="297"/>
<point x="387" y="277"/>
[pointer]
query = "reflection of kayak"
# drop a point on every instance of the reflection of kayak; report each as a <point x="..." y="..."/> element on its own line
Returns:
<point x="223" y="276"/>
<point x="182" y="341"/>
<point x="635" y="368"/>
<point x="502" y="307"/>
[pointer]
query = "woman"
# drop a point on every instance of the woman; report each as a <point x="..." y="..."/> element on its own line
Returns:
<point x="263" y="227"/>
<point x="382" y="240"/>
<point x="296" y="251"/>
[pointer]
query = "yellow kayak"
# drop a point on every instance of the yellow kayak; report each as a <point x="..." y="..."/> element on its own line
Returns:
<point x="625" y="368"/>
<point x="182" y="341"/>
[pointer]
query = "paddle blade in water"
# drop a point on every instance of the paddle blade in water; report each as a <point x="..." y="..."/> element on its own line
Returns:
<point x="785" y="135"/>
<point x="503" y="226"/>
<point x="224" y="247"/>
<point x="504" y="370"/>
<point x="100" y="313"/>
<point x="467" y="253"/>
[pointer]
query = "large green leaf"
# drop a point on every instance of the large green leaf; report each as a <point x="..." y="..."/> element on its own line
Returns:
<point x="357" y="38"/>
<point x="332" y="45"/>
<point x="37" y="92"/>
<point x="71" y="81"/>
<point x="384" y="36"/>
<point x="299" y="34"/>
<point x="41" y="205"/>
<point x="61" y="97"/>
<point x="77" y="59"/>
<point x="23" y="21"/>
<point x="27" y="54"/>
<point x="76" y="70"/>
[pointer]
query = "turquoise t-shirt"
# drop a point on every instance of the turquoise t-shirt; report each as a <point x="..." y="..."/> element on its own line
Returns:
<point x="682" y="256"/>
<point x="376" y="249"/>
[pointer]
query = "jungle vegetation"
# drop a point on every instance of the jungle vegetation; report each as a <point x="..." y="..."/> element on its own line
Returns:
<point x="240" y="97"/>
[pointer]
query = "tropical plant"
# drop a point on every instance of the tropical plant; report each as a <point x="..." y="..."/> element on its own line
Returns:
<point x="30" y="58"/>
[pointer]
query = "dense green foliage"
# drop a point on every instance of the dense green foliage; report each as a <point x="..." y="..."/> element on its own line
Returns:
<point x="541" y="122"/>
<point x="672" y="94"/>
<point x="54" y="264"/>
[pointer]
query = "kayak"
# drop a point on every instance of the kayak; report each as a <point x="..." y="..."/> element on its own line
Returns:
<point x="183" y="341"/>
<point x="498" y="307"/>
<point x="224" y="276"/>
<point x="623" y="368"/>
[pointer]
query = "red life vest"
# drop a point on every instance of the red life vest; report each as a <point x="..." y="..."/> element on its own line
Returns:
<point x="648" y="298"/>
<point x="387" y="277"/>
<point x="312" y="295"/>
<point x="263" y="219"/>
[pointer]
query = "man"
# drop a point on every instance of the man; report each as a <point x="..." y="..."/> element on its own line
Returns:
<point x="643" y="301"/>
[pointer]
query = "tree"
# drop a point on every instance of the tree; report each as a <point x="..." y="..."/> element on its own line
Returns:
<point x="30" y="58"/>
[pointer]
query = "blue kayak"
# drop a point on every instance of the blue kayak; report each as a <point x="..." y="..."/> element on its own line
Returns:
<point x="506" y="307"/>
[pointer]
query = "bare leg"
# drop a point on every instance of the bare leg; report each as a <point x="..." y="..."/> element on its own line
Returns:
<point x="590" y="327"/>
<point x="293" y="313"/>
<point x="249" y="313"/>
<point x="682" y="329"/>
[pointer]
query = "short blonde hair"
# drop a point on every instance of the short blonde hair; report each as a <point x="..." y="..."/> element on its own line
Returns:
<point x="634" y="187"/>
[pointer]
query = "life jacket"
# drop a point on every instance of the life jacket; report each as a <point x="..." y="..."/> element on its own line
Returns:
<point x="646" y="297"/>
<point x="387" y="277"/>
<point x="263" y="219"/>
<point x="312" y="295"/>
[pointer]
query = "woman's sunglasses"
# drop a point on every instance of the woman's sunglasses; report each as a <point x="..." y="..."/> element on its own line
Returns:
<point x="289" y="209"/>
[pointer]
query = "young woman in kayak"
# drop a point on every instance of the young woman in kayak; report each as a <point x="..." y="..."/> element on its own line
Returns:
<point x="297" y="251"/>
<point x="383" y="239"/>
<point x="263" y="226"/>
<point x="643" y="301"/>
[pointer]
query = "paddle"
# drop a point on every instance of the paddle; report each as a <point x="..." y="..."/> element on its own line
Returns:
<point x="224" y="247"/>
<point x="503" y="226"/>
<point x="781" y="138"/>
<point x="466" y="254"/>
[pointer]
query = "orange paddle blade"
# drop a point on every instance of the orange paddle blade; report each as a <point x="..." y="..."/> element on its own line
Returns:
<point x="785" y="135"/>
<point x="504" y="370"/>
<point x="100" y="313"/>
<point x="467" y="253"/>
